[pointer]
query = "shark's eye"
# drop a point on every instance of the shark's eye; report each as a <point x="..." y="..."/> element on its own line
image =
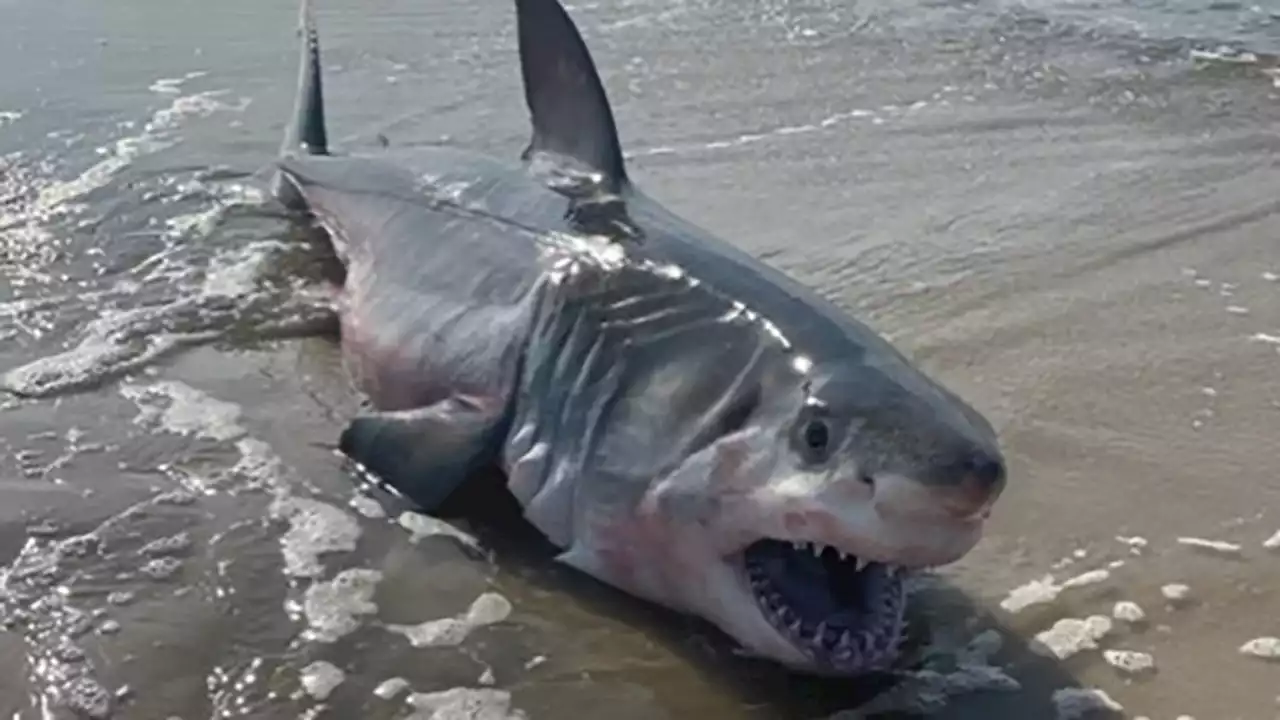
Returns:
<point x="816" y="436"/>
<point x="813" y="439"/>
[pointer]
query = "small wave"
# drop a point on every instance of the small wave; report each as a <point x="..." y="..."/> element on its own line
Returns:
<point x="1267" y="64"/>
<point x="173" y="86"/>
<point x="170" y="298"/>
<point x="158" y="133"/>
<point x="198" y="304"/>
<point x="878" y="116"/>
<point x="1240" y="24"/>
<point x="34" y="199"/>
<point x="123" y="341"/>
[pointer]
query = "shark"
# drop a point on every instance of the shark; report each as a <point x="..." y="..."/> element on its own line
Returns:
<point x="681" y="420"/>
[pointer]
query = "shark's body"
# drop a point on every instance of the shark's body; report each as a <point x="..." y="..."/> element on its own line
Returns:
<point x="685" y="422"/>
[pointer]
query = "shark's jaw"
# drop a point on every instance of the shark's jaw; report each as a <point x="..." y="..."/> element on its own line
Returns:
<point x="844" y="615"/>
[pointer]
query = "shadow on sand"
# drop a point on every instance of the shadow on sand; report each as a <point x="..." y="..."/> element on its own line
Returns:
<point x="942" y="620"/>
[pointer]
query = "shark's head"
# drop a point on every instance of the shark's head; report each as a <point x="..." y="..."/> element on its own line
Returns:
<point x="793" y="529"/>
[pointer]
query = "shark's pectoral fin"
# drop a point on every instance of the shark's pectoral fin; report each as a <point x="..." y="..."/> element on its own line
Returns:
<point x="584" y="560"/>
<point x="425" y="453"/>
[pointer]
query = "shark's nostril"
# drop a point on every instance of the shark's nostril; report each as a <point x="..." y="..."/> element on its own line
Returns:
<point x="984" y="469"/>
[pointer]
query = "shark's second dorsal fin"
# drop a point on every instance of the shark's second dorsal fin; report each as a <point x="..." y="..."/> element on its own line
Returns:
<point x="567" y="103"/>
<point x="308" y="134"/>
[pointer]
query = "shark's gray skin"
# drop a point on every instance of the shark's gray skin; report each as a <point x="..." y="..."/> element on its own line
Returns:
<point x="685" y="422"/>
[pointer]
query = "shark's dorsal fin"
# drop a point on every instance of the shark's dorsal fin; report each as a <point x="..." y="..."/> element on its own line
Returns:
<point x="571" y="116"/>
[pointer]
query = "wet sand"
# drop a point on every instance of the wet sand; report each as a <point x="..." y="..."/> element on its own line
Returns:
<point x="1069" y="218"/>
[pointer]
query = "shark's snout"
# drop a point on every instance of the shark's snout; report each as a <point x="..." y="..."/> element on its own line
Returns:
<point x="962" y="491"/>
<point x="968" y="487"/>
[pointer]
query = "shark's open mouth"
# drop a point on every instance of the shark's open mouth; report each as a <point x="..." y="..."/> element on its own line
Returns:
<point x="845" y="614"/>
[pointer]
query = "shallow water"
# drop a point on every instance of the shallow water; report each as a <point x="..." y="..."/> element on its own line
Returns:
<point x="1065" y="210"/>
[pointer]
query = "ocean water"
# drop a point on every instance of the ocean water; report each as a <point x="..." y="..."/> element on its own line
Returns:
<point x="1065" y="210"/>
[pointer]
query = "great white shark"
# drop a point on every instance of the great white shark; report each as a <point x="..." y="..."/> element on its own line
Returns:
<point x="685" y="422"/>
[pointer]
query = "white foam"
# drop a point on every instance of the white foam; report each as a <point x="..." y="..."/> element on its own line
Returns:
<point x="1225" y="55"/>
<point x="388" y="689"/>
<point x="176" y="544"/>
<point x="1071" y="636"/>
<point x="9" y="116"/>
<point x="1129" y="612"/>
<point x="1176" y="592"/>
<point x="1136" y="544"/>
<point x="172" y="86"/>
<point x="320" y="679"/>
<point x="1216" y="546"/>
<point x="194" y="224"/>
<point x="260" y="465"/>
<point x="1267" y="648"/>
<point x="1093" y="577"/>
<point x="424" y="526"/>
<point x="1130" y="662"/>
<point x="1037" y="592"/>
<point x="1045" y="590"/>
<point x="488" y="609"/>
<point x="315" y="528"/>
<point x="188" y="412"/>
<point x="464" y="704"/>
<point x="1265" y="338"/>
<point x="332" y="609"/>
<point x="1081" y="703"/>
<point x="367" y="507"/>
<point x="1273" y="542"/>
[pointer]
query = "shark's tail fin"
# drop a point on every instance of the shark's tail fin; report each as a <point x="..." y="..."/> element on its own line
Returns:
<point x="308" y="135"/>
